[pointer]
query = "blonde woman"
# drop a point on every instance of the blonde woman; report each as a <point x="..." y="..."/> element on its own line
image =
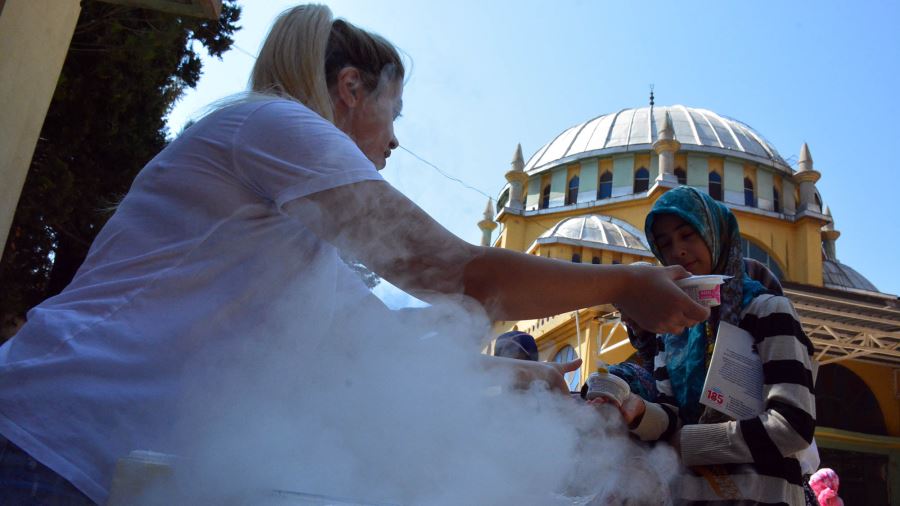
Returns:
<point x="250" y="206"/>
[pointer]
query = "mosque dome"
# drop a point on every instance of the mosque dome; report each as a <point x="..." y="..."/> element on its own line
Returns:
<point x="698" y="130"/>
<point x="843" y="277"/>
<point x="597" y="231"/>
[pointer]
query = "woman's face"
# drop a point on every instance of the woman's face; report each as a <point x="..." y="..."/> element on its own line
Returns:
<point x="369" y="121"/>
<point x="680" y="244"/>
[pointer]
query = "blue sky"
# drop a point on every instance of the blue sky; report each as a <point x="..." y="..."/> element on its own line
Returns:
<point x="487" y="75"/>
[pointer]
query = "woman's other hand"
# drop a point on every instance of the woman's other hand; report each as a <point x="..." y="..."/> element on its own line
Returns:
<point x="655" y="303"/>
<point x="527" y="372"/>
<point x="632" y="409"/>
<point x="551" y="373"/>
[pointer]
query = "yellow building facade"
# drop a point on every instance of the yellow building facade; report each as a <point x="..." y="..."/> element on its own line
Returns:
<point x="583" y="197"/>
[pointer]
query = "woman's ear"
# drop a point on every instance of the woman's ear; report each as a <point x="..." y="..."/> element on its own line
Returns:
<point x="349" y="86"/>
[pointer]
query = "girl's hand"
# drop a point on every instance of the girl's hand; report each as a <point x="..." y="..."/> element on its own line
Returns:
<point x="632" y="409"/>
<point x="653" y="300"/>
<point x="553" y="373"/>
<point x="527" y="372"/>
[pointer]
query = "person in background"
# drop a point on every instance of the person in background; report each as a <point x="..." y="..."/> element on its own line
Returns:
<point x="728" y="461"/>
<point x="249" y="210"/>
<point x="516" y="344"/>
<point x="825" y="483"/>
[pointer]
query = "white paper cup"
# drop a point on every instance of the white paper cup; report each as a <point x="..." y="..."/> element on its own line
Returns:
<point x="607" y="385"/>
<point x="705" y="290"/>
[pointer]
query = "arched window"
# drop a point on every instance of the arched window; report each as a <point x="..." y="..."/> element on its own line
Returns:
<point x="776" y="200"/>
<point x="573" y="378"/>
<point x="605" y="190"/>
<point x="595" y="260"/>
<point x="749" y="195"/>
<point x="641" y="180"/>
<point x="572" y="193"/>
<point x="752" y="250"/>
<point x="839" y="391"/>
<point x="576" y="258"/>
<point x="501" y="202"/>
<point x="715" y="186"/>
<point x="545" y="198"/>
<point x="681" y="175"/>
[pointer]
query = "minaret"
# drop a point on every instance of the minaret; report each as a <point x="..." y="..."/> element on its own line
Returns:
<point x="487" y="225"/>
<point x="666" y="146"/>
<point x="806" y="178"/>
<point x="829" y="237"/>
<point x="517" y="178"/>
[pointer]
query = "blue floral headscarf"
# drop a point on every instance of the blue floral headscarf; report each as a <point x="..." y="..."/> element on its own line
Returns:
<point x="688" y="352"/>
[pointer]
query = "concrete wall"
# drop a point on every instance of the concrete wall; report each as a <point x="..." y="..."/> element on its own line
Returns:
<point x="34" y="39"/>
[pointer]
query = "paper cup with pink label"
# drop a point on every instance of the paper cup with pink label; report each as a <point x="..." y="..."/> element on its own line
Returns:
<point x="609" y="386"/>
<point x="705" y="290"/>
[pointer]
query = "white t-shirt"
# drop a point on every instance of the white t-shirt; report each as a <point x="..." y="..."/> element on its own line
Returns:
<point x="199" y="253"/>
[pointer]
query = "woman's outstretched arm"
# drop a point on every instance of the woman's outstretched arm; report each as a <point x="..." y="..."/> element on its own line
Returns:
<point x="399" y="241"/>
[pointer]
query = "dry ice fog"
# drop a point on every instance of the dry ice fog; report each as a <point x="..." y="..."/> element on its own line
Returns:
<point x="391" y="407"/>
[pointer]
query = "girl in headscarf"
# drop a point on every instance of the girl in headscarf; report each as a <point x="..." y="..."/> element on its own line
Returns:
<point x="729" y="461"/>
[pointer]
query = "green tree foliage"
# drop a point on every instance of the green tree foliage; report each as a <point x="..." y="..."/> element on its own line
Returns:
<point x="125" y="69"/>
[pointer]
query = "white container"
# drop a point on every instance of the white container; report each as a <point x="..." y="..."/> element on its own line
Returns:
<point x="609" y="386"/>
<point x="136" y="474"/>
<point x="705" y="290"/>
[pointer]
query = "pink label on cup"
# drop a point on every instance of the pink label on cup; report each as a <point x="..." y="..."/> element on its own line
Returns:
<point x="711" y="294"/>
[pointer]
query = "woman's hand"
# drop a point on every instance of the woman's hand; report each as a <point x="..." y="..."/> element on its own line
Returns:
<point x="632" y="409"/>
<point x="655" y="303"/>
<point x="551" y="373"/>
<point x="527" y="372"/>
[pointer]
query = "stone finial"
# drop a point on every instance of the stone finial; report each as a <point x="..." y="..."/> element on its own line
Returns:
<point x="517" y="179"/>
<point x="830" y="225"/>
<point x="829" y="236"/>
<point x="806" y="162"/>
<point x="489" y="211"/>
<point x="668" y="132"/>
<point x="487" y="225"/>
<point x="518" y="162"/>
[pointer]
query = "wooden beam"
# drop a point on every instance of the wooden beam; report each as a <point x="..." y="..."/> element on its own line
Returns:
<point x="848" y="327"/>
<point x="856" y="316"/>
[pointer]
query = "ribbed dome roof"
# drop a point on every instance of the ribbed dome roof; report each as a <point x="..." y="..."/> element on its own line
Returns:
<point x="843" y="277"/>
<point x="637" y="129"/>
<point x="597" y="230"/>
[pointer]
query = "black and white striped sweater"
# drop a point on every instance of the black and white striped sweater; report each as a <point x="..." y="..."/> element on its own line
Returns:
<point x="748" y="461"/>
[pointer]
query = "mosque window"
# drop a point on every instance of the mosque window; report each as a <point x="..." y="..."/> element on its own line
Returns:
<point x="749" y="194"/>
<point x="501" y="202"/>
<point x="605" y="190"/>
<point x="572" y="193"/>
<point x="715" y="185"/>
<point x="681" y="175"/>
<point x="641" y="180"/>
<point x="776" y="200"/>
<point x="567" y="354"/>
<point x="840" y="391"/>
<point x="752" y="250"/>
<point x="576" y="258"/>
<point x="545" y="197"/>
<point x="595" y="260"/>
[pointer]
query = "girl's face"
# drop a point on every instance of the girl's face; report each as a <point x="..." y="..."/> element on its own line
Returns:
<point x="369" y="121"/>
<point x="680" y="244"/>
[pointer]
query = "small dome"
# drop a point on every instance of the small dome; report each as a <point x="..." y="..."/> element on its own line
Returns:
<point x="596" y="230"/>
<point x="637" y="129"/>
<point x="844" y="277"/>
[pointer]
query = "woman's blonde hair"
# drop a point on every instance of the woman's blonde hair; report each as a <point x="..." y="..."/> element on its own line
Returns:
<point x="306" y="49"/>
